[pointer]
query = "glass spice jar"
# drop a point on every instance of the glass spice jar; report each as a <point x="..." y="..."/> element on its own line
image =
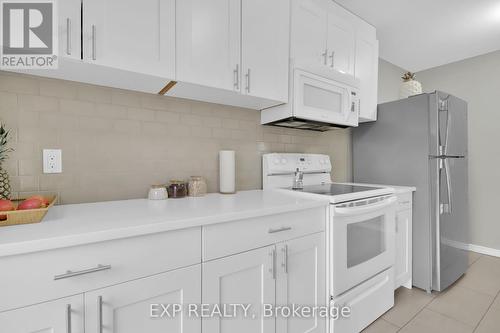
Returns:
<point x="177" y="189"/>
<point x="197" y="186"/>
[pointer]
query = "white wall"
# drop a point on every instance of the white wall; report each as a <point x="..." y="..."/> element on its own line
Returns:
<point x="389" y="81"/>
<point x="477" y="80"/>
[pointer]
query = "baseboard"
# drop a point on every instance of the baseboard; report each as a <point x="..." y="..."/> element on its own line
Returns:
<point x="484" y="250"/>
<point x="473" y="247"/>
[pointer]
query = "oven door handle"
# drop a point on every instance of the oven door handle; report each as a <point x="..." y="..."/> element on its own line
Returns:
<point x="351" y="211"/>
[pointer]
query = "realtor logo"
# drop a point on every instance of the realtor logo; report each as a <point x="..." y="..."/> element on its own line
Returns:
<point x="29" y="35"/>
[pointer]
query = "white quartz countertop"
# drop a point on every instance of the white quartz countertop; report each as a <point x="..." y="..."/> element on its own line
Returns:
<point x="70" y="225"/>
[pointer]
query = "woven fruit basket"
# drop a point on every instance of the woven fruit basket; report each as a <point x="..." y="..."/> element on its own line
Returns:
<point x="13" y="217"/>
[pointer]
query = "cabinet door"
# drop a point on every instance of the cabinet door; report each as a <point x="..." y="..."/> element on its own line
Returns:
<point x="309" y="32"/>
<point x="247" y="278"/>
<point x="301" y="281"/>
<point x="137" y="36"/>
<point x="403" y="247"/>
<point x="59" y="316"/>
<point x="208" y="42"/>
<point x="126" y="307"/>
<point x="340" y="41"/>
<point x="69" y="13"/>
<point x="366" y="71"/>
<point x="265" y="48"/>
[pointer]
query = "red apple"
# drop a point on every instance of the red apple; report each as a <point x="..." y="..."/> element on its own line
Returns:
<point x="6" y="205"/>
<point x="30" y="204"/>
<point x="44" y="200"/>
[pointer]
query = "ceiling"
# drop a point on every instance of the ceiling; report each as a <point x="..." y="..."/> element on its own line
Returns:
<point x="421" y="34"/>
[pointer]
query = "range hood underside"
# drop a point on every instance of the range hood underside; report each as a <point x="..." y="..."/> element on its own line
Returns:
<point x="305" y="124"/>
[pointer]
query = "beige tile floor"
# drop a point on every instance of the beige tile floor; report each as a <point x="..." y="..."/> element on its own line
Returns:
<point x="472" y="304"/>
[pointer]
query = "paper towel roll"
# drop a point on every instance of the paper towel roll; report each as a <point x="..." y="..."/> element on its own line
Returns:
<point x="227" y="171"/>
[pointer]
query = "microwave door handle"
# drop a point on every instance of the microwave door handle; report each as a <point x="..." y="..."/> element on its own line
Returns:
<point x="351" y="211"/>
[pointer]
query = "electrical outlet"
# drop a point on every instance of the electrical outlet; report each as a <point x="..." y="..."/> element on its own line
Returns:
<point x="52" y="161"/>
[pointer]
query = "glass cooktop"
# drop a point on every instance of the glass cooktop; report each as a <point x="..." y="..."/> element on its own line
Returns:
<point x="336" y="189"/>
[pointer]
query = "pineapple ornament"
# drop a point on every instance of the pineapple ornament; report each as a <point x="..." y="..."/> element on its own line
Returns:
<point x="5" y="189"/>
<point x="410" y="86"/>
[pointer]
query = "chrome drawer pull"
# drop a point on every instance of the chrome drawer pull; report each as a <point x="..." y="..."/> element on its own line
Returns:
<point x="68" y="318"/>
<point x="99" y="314"/>
<point x="69" y="274"/>
<point x="273" y="231"/>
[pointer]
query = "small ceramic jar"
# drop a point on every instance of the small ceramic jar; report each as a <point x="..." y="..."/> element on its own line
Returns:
<point x="197" y="186"/>
<point x="177" y="189"/>
<point x="157" y="192"/>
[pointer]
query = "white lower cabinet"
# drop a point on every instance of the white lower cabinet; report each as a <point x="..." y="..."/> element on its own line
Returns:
<point x="290" y="273"/>
<point x="62" y="315"/>
<point x="403" y="264"/>
<point x="246" y="278"/>
<point x="126" y="307"/>
<point x="301" y="281"/>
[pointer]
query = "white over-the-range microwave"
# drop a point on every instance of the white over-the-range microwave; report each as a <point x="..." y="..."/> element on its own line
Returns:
<point x="317" y="102"/>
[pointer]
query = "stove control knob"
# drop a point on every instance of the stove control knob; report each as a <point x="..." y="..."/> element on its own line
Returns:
<point x="321" y="161"/>
<point x="276" y="161"/>
<point x="283" y="161"/>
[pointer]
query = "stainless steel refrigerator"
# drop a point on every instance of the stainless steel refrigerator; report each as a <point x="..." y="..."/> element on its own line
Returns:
<point x="422" y="141"/>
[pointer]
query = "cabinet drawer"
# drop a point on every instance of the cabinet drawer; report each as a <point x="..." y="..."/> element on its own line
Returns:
<point x="233" y="237"/>
<point x="404" y="201"/>
<point x="36" y="277"/>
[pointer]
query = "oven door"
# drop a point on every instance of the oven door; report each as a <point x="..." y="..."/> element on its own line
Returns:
<point x="324" y="100"/>
<point x="363" y="237"/>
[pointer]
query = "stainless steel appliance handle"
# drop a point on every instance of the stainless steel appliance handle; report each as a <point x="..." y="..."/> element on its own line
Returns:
<point x="272" y="270"/>
<point x="237" y="77"/>
<point x="332" y="57"/>
<point x="449" y="204"/>
<point x="273" y="231"/>
<point x="247" y="76"/>
<point x="68" y="318"/>
<point x="68" y="36"/>
<point x="69" y="274"/>
<point x="94" y="43"/>
<point x="367" y="208"/>
<point x="284" y="264"/>
<point x="444" y="107"/>
<point x="99" y="314"/>
<point x="325" y="56"/>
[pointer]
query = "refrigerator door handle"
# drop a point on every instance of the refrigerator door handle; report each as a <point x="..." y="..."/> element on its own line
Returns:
<point x="443" y="144"/>
<point x="448" y="206"/>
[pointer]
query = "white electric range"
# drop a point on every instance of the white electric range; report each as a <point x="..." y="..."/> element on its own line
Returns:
<point x="360" y="234"/>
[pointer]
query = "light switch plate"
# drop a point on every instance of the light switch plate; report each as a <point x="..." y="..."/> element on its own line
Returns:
<point x="52" y="161"/>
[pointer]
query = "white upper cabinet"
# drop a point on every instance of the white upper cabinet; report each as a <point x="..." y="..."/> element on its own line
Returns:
<point x="366" y="72"/>
<point x="340" y="40"/>
<point x="137" y="36"/>
<point x="309" y="32"/>
<point x="208" y="42"/>
<point x="265" y="48"/>
<point x="69" y="15"/>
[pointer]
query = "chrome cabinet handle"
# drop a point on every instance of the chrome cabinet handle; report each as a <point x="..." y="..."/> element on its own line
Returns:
<point x="284" y="264"/>
<point x="247" y="76"/>
<point x="68" y="318"/>
<point x="68" y="36"/>
<point x="99" y="314"/>
<point x="332" y="56"/>
<point x="237" y="77"/>
<point x="69" y="274"/>
<point x="94" y="57"/>
<point x="272" y="270"/>
<point x="325" y="55"/>
<point x="273" y="231"/>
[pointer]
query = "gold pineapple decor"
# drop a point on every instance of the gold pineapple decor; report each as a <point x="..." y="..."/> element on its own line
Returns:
<point x="5" y="189"/>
